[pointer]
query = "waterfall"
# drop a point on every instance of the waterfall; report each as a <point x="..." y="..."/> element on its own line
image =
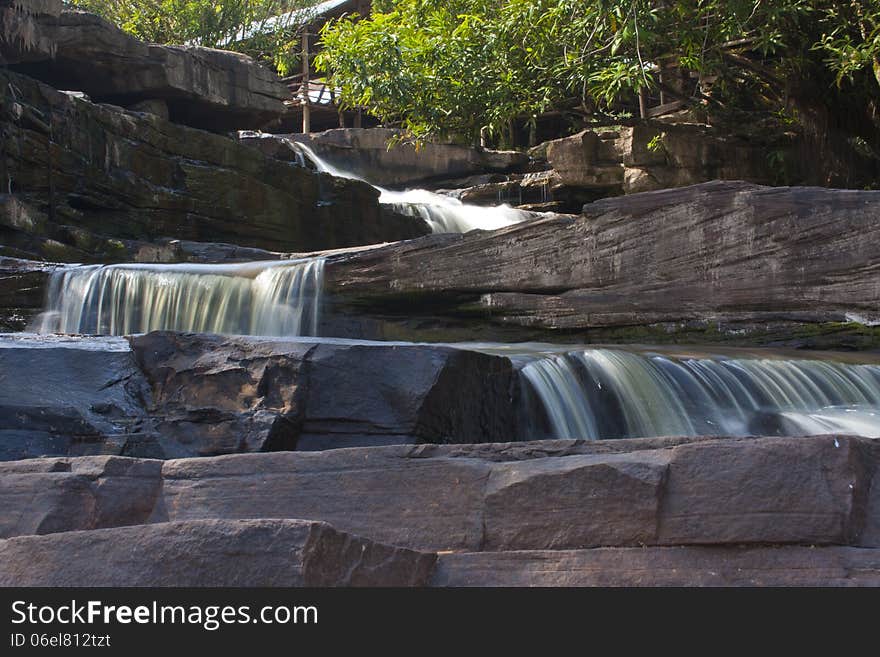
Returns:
<point x="256" y="298"/>
<point x="443" y="214"/>
<point x="605" y="393"/>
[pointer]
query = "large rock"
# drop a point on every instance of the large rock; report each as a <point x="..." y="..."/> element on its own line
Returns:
<point x="657" y="155"/>
<point x="718" y="255"/>
<point x="200" y="87"/>
<point x="528" y="496"/>
<point x="210" y="553"/>
<point x="168" y="395"/>
<point x="71" y="396"/>
<point x="671" y="566"/>
<point x="94" y="176"/>
<point x="90" y="492"/>
<point x="378" y="155"/>
<point x="215" y="395"/>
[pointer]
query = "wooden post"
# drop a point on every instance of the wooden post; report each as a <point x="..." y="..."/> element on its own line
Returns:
<point x="662" y="93"/>
<point x="307" y="122"/>
<point x="643" y="103"/>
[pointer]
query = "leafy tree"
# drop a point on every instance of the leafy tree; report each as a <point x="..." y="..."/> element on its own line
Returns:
<point x="451" y="67"/>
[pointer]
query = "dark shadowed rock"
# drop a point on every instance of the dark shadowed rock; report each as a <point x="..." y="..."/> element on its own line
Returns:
<point x="200" y="87"/>
<point x="718" y="255"/>
<point x="22" y="291"/>
<point x="671" y="566"/>
<point x="214" y="395"/>
<point x="93" y="178"/>
<point x="71" y="396"/>
<point x="210" y="553"/>
<point x="171" y="395"/>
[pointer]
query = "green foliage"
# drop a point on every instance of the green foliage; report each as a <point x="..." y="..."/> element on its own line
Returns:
<point x="451" y="67"/>
<point x="211" y="23"/>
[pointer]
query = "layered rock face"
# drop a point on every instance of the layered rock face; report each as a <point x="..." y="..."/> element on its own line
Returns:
<point x="721" y="255"/>
<point x="654" y="155"/>
<point x="796" y="511"/>
<point x="199" y="87"/>
<point x="170" y="395"/>
<point x="89" y="178"/>
<point x="376" y="154"/>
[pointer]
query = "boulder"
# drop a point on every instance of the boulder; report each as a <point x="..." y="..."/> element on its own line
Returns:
<point x="168" y="395"/>
<point x="88" y="179"/>
<point x="669" y="566"/>
<point x="378" y="155"/>
<point x="655" y="155"/>
<point x="62" y="495"/>
<point x="214" y="395"/>
<point x="553" y="495"/>
<point x="291" y="553"/>
<point x="200" y="87"/>
<point x="71" y="396"/>
<point x="712" y="258"/>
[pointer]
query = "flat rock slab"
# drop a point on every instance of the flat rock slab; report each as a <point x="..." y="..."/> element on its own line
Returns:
<point x="530" y="496"/>
<point x="719" y="252"/>
<point x="210" y="553"/>
<point x="658" y="566"/>
<point x="201" y="87"/>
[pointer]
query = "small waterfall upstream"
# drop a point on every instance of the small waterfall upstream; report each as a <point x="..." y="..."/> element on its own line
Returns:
<point x="443" y="214"/>
<point x="609" y="393"/>
<point x="257" y="298"/>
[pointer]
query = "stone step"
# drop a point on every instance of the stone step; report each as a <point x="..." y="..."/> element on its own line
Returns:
<point x="525" y="496"/>
<point x="663" y="566"/>
<point x="210" y="553"/>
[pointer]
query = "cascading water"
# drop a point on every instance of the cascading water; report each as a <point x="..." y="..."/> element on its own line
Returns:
<point x="256" y="298"/>
<point x="443" y="214"/>
<point x="605" y="393"/>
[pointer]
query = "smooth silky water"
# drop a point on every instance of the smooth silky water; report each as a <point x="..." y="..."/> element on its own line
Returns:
<point x="273" y="298"/>
<point x="595" y="393"/>
<point x="443" y="214"/>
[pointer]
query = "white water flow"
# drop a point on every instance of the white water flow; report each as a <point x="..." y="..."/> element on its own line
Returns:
<point x="256" y="298"/>
<point x="607" y="393"/>
<point x="443" y="214"/>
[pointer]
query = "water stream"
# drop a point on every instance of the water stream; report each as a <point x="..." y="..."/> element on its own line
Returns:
<point x="257" y="298"/>
<point x="443" y="214"/>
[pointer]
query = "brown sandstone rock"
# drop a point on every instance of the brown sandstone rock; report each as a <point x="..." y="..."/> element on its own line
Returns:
<point x="664" y="566"/>
<point x="524" y="496"/>
<point x="210" y="553"/>
<point x="716" y="254"/>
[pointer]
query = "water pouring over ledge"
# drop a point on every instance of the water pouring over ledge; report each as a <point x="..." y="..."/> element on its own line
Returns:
<point x="273" y="298"/>
<point x="443" y="214"/>
<point x="615" y="393"/>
